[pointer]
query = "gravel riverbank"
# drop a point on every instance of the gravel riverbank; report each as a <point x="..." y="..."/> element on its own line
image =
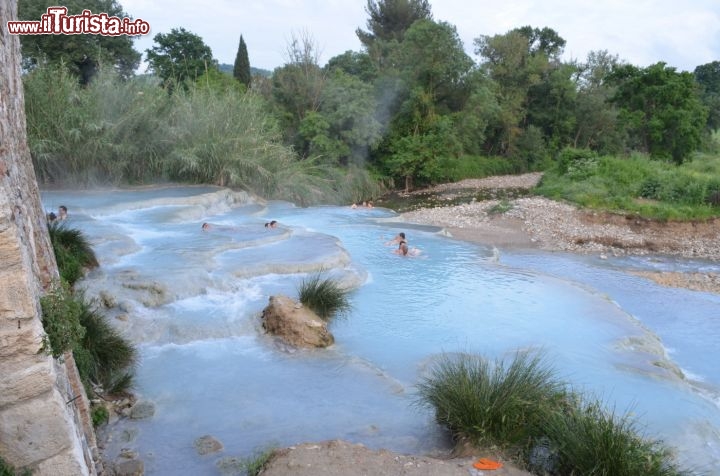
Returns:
<point x="546" y="224"/>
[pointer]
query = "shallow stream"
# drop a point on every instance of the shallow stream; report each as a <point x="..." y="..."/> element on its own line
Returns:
<point x="191" y="300"/>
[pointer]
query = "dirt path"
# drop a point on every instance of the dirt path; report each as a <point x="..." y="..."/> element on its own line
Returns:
<point x="340" y="458"/>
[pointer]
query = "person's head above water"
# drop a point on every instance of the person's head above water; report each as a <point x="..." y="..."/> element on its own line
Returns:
<point x="206" y="226"/>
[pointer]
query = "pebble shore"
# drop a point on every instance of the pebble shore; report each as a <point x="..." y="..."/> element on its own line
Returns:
<point x="555" y="226"/>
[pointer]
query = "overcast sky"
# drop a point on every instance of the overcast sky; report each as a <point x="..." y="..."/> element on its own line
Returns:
<point x="641" y="32"/>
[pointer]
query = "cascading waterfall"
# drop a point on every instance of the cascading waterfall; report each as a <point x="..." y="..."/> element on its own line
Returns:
<point x="191" y="300"/>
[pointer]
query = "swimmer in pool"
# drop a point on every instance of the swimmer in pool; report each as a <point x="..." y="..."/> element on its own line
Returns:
<point x="399" y="238"/>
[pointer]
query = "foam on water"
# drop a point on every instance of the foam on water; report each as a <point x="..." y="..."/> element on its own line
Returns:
<point x="192" y="300"/>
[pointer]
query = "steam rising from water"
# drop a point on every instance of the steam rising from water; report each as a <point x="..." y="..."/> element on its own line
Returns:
<point x="192" y="300"/>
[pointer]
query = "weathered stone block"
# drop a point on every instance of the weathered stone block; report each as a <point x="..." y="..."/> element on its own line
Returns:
<point x="66" y="463"/>
<point x="30" y="431"/>
<point x="26" y="384"/>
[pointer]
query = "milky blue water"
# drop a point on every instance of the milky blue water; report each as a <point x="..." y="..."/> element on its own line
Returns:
<point x="191" y="300"/>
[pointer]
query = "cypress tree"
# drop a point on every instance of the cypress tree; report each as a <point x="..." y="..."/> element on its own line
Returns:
<point x="241" y="70"/>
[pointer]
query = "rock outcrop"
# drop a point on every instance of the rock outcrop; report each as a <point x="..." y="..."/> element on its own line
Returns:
<point x="295" y="324"/>
<point x="44" y="420"/>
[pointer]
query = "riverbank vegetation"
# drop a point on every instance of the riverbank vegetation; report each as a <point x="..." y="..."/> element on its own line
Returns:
<point x="636" y="184"/>
<point x="410" y="109"/>
<point x="522" y="408"/>
<point x="73" y="252"/>
<point x="104" y="358"/>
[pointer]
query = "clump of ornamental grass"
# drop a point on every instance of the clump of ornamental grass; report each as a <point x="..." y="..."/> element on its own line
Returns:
<point x="589" y="439"/>
<point x="520" y="406"/>
<point x="73" y="252"/>
<point x="103" y="356"/>
<point x="492" y="403"/>
<point x="324" y="296"/>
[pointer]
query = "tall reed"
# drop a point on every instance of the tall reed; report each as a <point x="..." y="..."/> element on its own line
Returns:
<point x="117" y="131"/>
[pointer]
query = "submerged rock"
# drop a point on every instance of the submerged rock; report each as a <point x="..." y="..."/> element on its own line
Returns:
<point x="231" y="466"/>
<point x="129" y="467"/>
<point x="207" y="444"/>
<point x="142" y="410"/>
<point x="295" y="324"/>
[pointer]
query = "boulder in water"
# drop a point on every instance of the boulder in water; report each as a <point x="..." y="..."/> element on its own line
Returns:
<point x="295" y="324"/>
<point x="207" y="444"/>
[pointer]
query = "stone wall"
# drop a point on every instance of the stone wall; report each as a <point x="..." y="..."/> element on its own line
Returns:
<point x="44" y="424"/>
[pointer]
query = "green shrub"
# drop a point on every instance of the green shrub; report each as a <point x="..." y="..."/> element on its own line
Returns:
<point x="688" y="191"/>
<point x="324" y="296"/>
<point x="650" y="188"/>
<point x="588" y="439"/>
<point x="100" y="415"/>
<point x="103" y="355"/>
<point x="61" y="321"/>
<point x="491" y="403"/>
<point x="73" y="252"/>
<point x="570" y="159"/>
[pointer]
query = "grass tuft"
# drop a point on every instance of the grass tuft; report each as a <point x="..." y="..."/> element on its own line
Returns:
<point x="523" y="408"/>
<point x="73" y="252"/>
<point x="491" y="403"/>
<point x="255" y="464"/>
<point x="589" y="439"/>
<point x="324" y="296"/>
<point x="103" y="356"/>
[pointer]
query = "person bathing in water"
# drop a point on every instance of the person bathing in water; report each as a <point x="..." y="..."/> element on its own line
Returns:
<point x="400" y="237"/>
<point x="403" y="248"/>
<point x="271" y="224"/>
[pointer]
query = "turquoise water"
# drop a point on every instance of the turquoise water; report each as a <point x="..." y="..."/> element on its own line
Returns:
<point x="191" y="300"/>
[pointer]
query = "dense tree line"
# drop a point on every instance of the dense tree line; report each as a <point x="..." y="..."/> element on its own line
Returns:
<point x="414" y="108"/>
